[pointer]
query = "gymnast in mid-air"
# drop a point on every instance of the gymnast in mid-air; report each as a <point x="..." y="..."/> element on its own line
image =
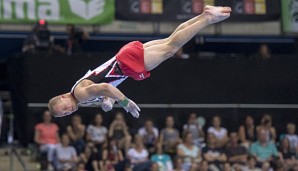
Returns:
<point x="134" y="60"/>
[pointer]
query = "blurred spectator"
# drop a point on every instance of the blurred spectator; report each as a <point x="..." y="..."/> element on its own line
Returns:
<point x="266" y="166"/>
<point x="86" y="158"/>
<point x="213" y="154"/>
<point x="287" y="156"/>
<point x="81" y="166"/>
<point x="235" y="152"/>
<point x="154" y="167"/>
<point x="227" y="166"/>
<point x="47" y="136"/>
<point x="76" y="133"/>
<point x="112" y="157"/>
<point x="251" y="164"/>
<point x="178" y="164"/>
<point x="248" y="131"/>
<point x="266" y="124"/>
<point x="119" y="131"/>
<point x="149" y="134"/>
<point x="76" y="37"/>
<point x="169" y="136"/>
<point x="221" y="134"/>
<point x="292" y="136"/>
<point x="96" y="133"/>
<point x="138" y="155"/>
<point x="65" y="156"/>
<point x="163" y="160"/>
<point x="204" y="166"/>
<point x="188" y="151"/>
<point x="195" y="129"/>
<point x="263" y="149"/>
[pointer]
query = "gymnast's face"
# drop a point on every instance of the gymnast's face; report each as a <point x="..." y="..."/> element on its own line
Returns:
<point x="66" y="106"/>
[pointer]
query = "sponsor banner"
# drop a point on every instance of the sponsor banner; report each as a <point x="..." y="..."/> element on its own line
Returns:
<point x="57" y="11"/>
<point x="290" y="16"/>
<point x="176" y="10"/>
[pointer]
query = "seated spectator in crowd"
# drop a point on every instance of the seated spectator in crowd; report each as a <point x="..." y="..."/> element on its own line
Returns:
<point x="251" y="164"/>
<point x="235" y="152"/>
<point x="213" y="154"/>
<point x="188" y="151"/>
<point x="221" y="134"/>
<point x="149" y="134"/>
<point x="47" y="136"/>
<point x="154" y="167"/>
<point x="163" y="160"/>
<point x="112" y="157"/>
<point x="287" y="157"/>
<point x="263" y="149"/>
<point x="266" y="124"/>
<point x="248" y="131"/>
<point x="292" y="136"/>
<point x="81" y="166"/>
<point x="226" y="167"/>
<point x="178" y="164"/>
<point x="204" y="166"/>
<point x="86" y="158"/>
<point x="119" y="131"/>
<point x="65" y="156"/>
<point x="169" y="136"/>
<point x="76" y="133"/>
<point x="266" y="166"/>
<point x="96" y="132"/>
<point x="195" y="129"/>
<point x="139" y="155"/>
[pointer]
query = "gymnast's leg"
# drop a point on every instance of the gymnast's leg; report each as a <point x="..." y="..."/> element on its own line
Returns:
<point x="157" y="51"/>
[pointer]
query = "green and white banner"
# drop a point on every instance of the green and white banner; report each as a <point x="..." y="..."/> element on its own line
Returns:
<point x="57" y="11"/>
<point x="290" y="16"/>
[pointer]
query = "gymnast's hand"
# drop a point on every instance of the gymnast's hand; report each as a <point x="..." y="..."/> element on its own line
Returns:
<point x="130" y="107"/>
<point x="107" y="104"/>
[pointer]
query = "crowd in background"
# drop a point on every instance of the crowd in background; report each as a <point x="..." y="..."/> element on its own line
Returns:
<point x="194" y="147"/>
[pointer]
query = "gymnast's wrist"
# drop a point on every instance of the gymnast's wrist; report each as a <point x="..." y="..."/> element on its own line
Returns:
<point x="124" y="102"/>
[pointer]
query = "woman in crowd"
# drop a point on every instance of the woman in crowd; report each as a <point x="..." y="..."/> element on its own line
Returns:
<point x="190" y="153"/>
<point x="86" y="158"/>
<point x="195" y="129"/>
<point x="248" y="131"/>
<point x="220" y="133"/>
<point x="112" y="157"/>
<point x="119" y="131"/>
<point x="96" y="133"/>
<point x="76" y="133"/>
<point x="287" y="157"/>
<point x="46" y="135"/>
<point x="139" y="155"/>
<point x="169" y="136"/>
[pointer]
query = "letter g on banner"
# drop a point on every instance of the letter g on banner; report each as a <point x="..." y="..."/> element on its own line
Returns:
<point x="87" y="9"/>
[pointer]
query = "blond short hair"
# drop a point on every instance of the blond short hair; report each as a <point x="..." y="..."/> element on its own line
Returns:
<point x="291" y="126"/>
<point x="52" y="102"/>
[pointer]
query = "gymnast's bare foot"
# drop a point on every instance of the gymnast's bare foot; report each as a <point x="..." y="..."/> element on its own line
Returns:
<point x="216" y="14"/>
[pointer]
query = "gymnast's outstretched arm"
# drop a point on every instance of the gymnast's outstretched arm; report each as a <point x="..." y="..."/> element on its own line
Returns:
<point x="107" y="90"/>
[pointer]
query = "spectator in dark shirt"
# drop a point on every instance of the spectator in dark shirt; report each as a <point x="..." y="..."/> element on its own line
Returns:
<point x="235" y="152"/>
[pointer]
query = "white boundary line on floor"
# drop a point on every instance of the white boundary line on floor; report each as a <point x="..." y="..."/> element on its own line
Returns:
<point x="260" y="106"/>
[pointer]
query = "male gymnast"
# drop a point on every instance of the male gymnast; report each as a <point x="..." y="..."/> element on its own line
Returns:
<point x="134" y="60"/>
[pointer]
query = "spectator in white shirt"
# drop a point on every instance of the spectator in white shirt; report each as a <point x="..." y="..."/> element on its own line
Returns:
<point x="292" y="137"/>
<point x="220" y="133"/>
<point x="66" y="155"/>
<point x="96" y="132"/>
